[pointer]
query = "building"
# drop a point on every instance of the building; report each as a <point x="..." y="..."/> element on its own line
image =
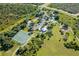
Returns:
<point x="30" y="25"/>
<point x="44" y="29"/>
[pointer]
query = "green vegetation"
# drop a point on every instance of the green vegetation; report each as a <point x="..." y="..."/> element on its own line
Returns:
<point x="10" y="29"/>
<point x="35" y="43"/>
<point x="55" y="47"/>
<point x="11" y="13"/>
<point x="69" y="7"/>
<point x="69" y="20"/>
<point x="10" y="51"/>
<point x="57" y="40"/>
<point x="32" y="47"/>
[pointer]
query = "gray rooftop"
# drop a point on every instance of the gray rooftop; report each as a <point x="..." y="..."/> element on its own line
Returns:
<point x="21" y="37"/>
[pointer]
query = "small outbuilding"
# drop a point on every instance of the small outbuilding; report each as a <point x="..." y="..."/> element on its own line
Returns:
<point x="44" y="29"/>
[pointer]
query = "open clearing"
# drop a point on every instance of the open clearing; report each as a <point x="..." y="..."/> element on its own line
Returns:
<point x="53" y="47"/>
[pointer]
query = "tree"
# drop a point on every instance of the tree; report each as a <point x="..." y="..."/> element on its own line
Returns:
<point x="57" y="17"/>
<point x="55" y="12"/>
<point x="62" y="33"/>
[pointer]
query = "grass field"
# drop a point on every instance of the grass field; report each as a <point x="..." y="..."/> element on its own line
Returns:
<point x="70" y="20"/>
<point x="54" y="47"/>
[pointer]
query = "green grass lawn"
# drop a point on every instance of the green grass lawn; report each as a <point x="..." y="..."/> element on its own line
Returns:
<point x="1" y="53"/>
<point x="54" y="47"/>
<point x="70" y="20"/>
